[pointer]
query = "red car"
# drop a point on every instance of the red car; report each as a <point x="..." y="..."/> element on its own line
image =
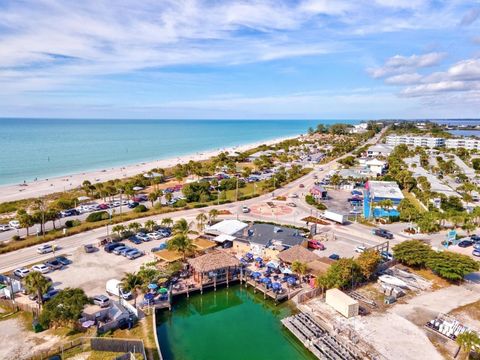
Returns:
<point x="301" y="186"/>
<point x="314" y="244"/>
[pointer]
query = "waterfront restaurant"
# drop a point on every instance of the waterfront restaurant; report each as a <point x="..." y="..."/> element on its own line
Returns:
<point x="217" y="267"/>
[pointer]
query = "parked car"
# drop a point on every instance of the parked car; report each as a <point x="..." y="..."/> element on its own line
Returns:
<point x="132" y="204"/>
<point x="475" y="237"/>
<point x="476" y="246"/>
<point x="54" y="264"/>
<point x="5" y="227"/>
<point x="301" y="186"/>
<point x="476" y="252"/>
<point x="104" y="206"/>
<point x="360" y="249"/>
<point x="42" y="268"/>
<point x="112" y="246"/>
<point x="133" y="254"/>
<point x="135" y="240"/>
<point x="89" y="248"/>
<point x="159" y="247"/>
<point x="334" y="257"/>
<point x="294" y="196"/>
<point x="21" y="272"/>
<point x="45" y="249"/>
<point x="383" y="233"/>
<point x="63" y="260"/>
<point x="126" y="250"/>
<point x="245" y="209"/>
<point x="314" y="244"/>
<point x="15" y="224"/>
<point x="154" y="236"/>
<point x="291" y="204"/>
<point x="50" y="294"/>
<point x="119" y="249"/>
<point x="465" y="243"/>
<point x="101" y="300"/>
<point x="142" y="236"/>
<point x="386" y="255"/>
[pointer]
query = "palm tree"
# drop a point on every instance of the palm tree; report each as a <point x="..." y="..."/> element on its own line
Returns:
<point x="167" y="222"/>
<point x="118" y="229"/>
<point x="134" y="226"/>
<point x="201" y="218"/>
<point x="181" y="227"/>
<point x="132" y="282"/>
<point x="168" y="196"/>
<point x="35" y="282"/>
<point x="181" y="243"/>
<point x="25" y="219"/>
<point x="299" y="268"/>
<point x="153" y="196"/>
<point x="87" y="187"/>
<point x="150" y="224"/>
<point x="212" y="215"/>
<point x="468" y="341"/>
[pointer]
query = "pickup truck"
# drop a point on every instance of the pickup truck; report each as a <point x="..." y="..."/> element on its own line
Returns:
<point x="314" y="244"/>
<point x="383" y="233"/>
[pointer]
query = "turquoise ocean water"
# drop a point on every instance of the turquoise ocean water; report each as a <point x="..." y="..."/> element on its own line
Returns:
<point x="46" y="148"/>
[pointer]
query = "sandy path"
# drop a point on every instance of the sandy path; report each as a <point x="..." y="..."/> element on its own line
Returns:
<point x="58" y="184"/>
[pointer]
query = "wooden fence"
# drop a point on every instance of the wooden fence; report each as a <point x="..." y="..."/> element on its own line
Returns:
<point x="16" y="306"/>
<point x="122" y="346"/>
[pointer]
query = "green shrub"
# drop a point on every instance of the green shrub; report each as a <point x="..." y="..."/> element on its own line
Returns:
<point x="97" y="216"/>
<point x="180" y="203"/>
<point x="72" y="223"/>
<point x="16" y="238"/>
<point x="198" y="206"/>
<point x="140" y="209"/>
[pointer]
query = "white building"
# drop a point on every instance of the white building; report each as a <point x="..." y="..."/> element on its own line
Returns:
<point x="467" y="143"/>
<point x="379" y="150"/>
<point x="423" y="141"/>
<point x="360" y="128"/>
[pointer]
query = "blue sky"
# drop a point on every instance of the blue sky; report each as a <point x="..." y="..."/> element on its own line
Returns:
<point x="305" y="59"/>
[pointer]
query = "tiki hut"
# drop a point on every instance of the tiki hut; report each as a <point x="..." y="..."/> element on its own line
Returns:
<point x="214" y="268"/>
<point x="297" y="253"/>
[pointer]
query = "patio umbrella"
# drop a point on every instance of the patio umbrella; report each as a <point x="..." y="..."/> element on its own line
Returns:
<point x="163" y="290"/>
<point x="273" y="264"/>
<point x="291" y="280"/>
<point x="356" y="192"/>
<point x="256" y="274"/>
<point x="152" y="286"/>
<point x="266" y="280"/>
<point x="276" y="286"/>
<point x="149" y="297"/>
<point x="258" y="259"/>
<point x="249" y="255"/>
<point x="287" y="271"/>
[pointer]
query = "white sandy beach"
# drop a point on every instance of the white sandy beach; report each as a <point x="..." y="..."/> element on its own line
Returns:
<point x="44" y="187"/>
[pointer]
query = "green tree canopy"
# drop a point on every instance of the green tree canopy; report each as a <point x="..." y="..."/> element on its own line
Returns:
<point x="368" y="262"/>
<point x="412" y="252"/>
<point x="65" y="308"/>
<point x="450" y="265"/>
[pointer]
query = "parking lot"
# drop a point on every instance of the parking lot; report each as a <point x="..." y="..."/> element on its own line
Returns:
<point x="338" y="201"/>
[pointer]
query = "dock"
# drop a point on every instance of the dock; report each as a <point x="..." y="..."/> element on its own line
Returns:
<point x="278" y="297"/>
<point x="317" y="339"/>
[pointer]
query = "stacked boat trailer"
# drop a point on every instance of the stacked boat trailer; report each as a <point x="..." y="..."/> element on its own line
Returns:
<point x="317" y="339"/>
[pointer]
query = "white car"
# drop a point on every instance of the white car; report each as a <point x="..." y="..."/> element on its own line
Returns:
<point x="360" y="249"/>
<point x="41" y="268"/>
<point x="45" y="249"/>
<point x="5" y="227"/>
<point x="154" y="236"/>
<point x="245" y="209"/>
<point x="294" y="196"/>
<point x="21" y="272"/>
<point x="14" y="224"/>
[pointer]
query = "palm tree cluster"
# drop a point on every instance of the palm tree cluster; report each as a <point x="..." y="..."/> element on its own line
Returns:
<point x="180" y="241"/>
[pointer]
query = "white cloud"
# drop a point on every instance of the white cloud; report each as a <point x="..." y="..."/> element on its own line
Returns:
<point x="401" y="64"/>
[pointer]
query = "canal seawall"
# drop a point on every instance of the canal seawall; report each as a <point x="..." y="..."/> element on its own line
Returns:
<point x="157" y="344"/>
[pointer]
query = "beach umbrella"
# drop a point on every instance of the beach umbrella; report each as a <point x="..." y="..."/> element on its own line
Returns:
<point x="273" y="264"/>
<point x="163" y="290"/>
<point x="276" y="286"/>
<point x="356" y="192"/>
<point x="249" y="255"/>
<point x="287" y="271"/>
<point x="266" y="280"/>
<point x="256" y="274"/>
<point x="258" y="259"/>
<point x="152" y="286"/>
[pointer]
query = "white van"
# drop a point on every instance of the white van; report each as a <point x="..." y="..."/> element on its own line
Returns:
<point x="113" y="288"/>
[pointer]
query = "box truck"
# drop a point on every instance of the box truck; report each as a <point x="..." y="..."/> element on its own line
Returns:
<point x="113" y="288"/>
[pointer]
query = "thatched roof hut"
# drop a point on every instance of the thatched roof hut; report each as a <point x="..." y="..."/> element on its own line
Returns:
<point x="297" y="253"/>
<point x="213" y="261"/>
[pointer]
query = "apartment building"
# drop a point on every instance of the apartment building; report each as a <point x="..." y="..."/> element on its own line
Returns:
<point x="467" y="143"/>
<point x="423" y="141"/>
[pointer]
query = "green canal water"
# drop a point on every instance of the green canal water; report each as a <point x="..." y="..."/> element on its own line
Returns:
<point x="229" y="324"/>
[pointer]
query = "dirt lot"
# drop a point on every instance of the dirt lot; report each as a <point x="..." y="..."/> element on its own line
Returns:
<point x="338" y="201"/>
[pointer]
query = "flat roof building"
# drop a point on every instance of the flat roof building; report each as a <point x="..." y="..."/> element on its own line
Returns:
<point x="384" y="190"/>
<point x="423" y="141"/>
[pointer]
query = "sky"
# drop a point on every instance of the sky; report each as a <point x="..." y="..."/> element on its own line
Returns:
<point x="193" y="59"/>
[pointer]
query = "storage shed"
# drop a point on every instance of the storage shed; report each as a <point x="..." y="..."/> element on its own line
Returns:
<point x="341" y="302"/>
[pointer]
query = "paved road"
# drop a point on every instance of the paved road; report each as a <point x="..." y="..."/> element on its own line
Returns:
<point x="26" y="256"/>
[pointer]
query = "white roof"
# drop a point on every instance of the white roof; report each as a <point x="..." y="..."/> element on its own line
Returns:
<point x="385" y="189"/>
<point x="375" y="162"/>
<point x="224" y="237"/>
<point x="226" y="227"/>
<point x="380" y="148"/>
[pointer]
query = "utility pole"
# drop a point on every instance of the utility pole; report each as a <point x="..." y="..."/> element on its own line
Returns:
<point x="236" y="191"/>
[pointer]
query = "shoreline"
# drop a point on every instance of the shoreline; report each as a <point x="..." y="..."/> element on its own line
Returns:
<point x="42" y="187"/>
